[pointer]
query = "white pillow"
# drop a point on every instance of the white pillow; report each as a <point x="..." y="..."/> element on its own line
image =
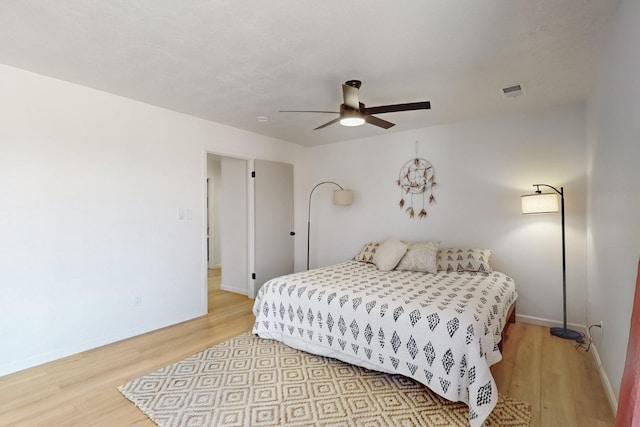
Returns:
<point x="389" y="254"/>
<point x="420" y="256"/>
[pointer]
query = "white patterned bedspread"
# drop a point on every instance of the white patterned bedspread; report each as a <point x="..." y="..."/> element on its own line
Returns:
<point x="439" y="329"/>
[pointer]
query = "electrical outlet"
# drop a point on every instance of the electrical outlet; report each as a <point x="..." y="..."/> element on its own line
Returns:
<point x="137" y="300"/>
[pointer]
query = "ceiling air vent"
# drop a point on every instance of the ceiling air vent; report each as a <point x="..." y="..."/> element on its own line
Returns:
<point x="513" y="91"/>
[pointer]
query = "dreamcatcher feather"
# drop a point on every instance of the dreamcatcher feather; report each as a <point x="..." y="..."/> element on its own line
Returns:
<point x="417" y="178"/>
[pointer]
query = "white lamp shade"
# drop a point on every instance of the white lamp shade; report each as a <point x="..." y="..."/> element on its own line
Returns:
<point x="540" y="203"/>
<point x="342" y="197"/>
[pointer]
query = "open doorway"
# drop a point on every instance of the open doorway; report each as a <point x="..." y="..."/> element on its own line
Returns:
<point x="249" y="229"/>
<point x="226" y="228"/>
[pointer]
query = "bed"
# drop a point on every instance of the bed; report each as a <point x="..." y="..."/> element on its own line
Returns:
<point x="442" y="329"/>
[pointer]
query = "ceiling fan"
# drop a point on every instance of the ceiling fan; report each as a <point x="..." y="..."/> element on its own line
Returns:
<point x="354" y="113"/>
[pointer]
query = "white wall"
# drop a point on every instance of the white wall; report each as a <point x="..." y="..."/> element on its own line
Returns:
<point x="91" y="247"/>
<point x="614" y="195"/>
<point x="482" y="168"/>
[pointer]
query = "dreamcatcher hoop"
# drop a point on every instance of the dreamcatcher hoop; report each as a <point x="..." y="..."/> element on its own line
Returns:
<point x="417" y="176"/>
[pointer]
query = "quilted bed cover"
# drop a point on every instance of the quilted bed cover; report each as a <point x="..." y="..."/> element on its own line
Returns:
<point x="439" y="329"/>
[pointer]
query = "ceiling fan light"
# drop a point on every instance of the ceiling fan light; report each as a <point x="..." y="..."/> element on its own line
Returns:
<point x="352" y="121"/>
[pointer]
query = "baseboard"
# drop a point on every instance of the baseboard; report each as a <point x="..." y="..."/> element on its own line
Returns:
<point x="548" y="323"/>
<point x="240" y="291"/>
<point x="611" y="396"/>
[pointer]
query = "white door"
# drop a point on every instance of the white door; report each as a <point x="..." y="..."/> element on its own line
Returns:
<point x="234" y="228"/>
<point x="211" y="206"/>
<point x="273" y="218"/>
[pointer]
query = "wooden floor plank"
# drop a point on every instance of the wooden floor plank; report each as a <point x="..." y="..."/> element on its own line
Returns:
<point x="587" y="399"/>
<point x="525" y="380"/>
<point x="559" y="381"/>
<point x="557" y="398"/>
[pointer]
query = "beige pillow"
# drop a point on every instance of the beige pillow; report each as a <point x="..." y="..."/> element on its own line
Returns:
<point x="420" y="256"/>
<point x="389" y="254"/>
<point x="464" y="259"/>
<point x="367" y="252"/>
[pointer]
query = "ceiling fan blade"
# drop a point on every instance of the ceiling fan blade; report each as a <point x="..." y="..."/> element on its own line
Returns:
<point x="351" y="97"/>
<point x="305" y="111"/>
<point x="426" y="105"/>
<point x="377" y="121"/>
<point x="336" y="120"/>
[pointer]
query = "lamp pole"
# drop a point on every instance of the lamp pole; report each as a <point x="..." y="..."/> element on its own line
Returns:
<point x="563" y="332"/>
<point x="309" y="215"/>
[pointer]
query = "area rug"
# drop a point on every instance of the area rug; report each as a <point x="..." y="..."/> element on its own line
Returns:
<point x="249" y="381"/>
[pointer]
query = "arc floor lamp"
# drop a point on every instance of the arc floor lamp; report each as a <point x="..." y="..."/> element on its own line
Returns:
<point x="540" y="202"/>
<point x="341" y="197"/>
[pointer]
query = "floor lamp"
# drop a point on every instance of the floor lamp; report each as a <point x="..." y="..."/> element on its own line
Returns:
<point x="540" y="202"/>
<point x="341" y="197"/>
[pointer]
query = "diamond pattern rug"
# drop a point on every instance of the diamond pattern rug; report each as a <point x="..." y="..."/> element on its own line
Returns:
<point x="249" y="381"/>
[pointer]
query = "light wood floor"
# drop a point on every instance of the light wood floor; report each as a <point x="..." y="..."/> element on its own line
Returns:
<point x="560" y="382"/>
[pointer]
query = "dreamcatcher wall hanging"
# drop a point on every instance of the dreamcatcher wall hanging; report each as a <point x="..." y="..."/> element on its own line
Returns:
<point x="417" y="180"/>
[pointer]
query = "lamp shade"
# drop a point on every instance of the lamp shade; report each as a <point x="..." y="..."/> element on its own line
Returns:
<point x="540" y="203"/>
<point x="342" y="197"/>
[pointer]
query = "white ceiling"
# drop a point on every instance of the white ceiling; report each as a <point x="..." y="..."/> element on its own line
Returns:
<point x="230" y="61"/>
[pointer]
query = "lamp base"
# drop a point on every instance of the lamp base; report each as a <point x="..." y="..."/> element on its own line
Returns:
<point x="567" y="334"/>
